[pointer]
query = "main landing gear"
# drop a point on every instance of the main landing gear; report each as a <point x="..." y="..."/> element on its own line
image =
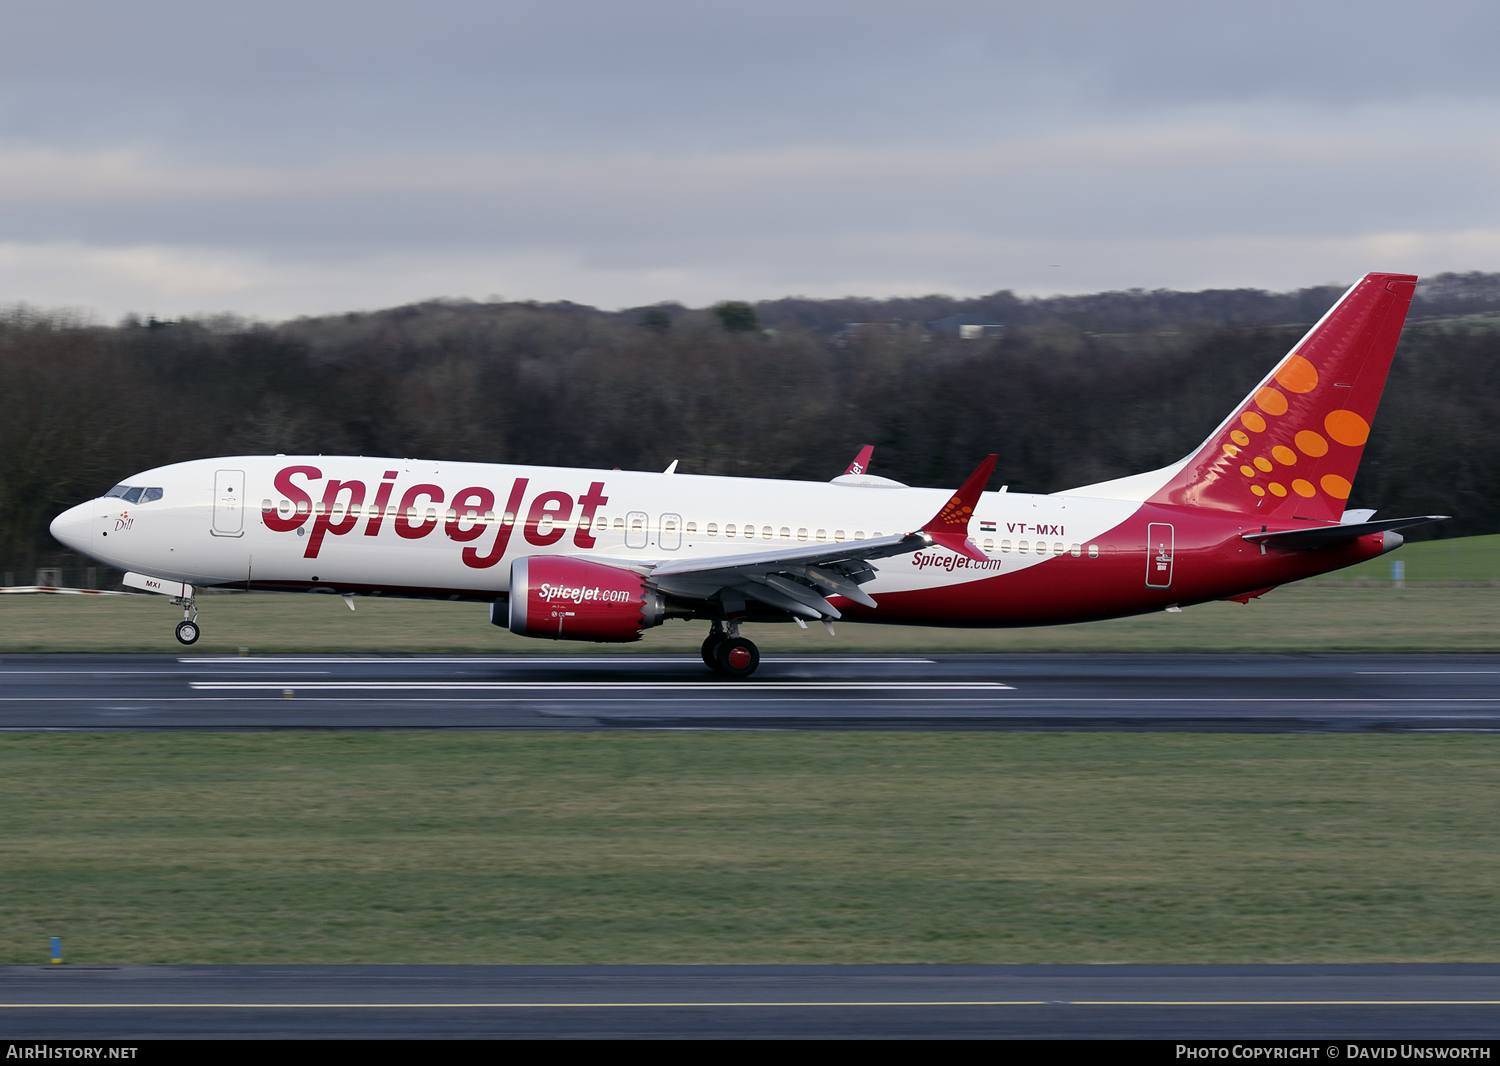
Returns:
<point x="187" y="629"/>
<point x="730" y="653"/>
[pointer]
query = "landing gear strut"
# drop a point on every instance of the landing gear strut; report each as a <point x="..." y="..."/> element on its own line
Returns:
<point x="187" y="629"/>
<point x="730" y="653"/>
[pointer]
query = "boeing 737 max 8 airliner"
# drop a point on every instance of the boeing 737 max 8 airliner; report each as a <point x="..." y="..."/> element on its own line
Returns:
<point x="602" y="555"/>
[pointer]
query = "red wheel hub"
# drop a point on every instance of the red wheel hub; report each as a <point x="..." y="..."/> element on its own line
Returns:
<point x="739" y="657"/>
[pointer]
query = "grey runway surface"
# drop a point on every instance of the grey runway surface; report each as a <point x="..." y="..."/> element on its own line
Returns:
<point x="1267" y="693"/>
<point x="1322" y="1003"/>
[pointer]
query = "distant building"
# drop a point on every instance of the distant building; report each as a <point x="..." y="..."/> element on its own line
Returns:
<point x="966" y="327"/>
<point x="854" y="329"/>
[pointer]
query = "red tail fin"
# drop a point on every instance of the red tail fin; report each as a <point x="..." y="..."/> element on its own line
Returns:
<point x="1291" y="448"/>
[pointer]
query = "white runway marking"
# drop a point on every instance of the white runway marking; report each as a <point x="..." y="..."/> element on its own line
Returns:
<point x="598" y="686"/>
<point x="1427" y="671"/>
<point x="163" y="672"/>
<point x="516" y="660"/>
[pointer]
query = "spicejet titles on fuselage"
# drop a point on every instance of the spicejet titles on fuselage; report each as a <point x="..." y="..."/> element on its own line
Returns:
<point x="472" y="512"/>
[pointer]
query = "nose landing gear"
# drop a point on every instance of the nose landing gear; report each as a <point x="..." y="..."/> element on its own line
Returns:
<point x="730" y="653"/>
<point x="187" y="629"/>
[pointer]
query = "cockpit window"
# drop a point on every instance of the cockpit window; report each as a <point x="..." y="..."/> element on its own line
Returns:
<point x="134" y="493"/>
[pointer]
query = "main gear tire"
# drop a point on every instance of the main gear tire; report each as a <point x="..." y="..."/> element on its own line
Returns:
<point x="737" y="657"/>
<point x="710" y="649"/>
<point x="187" y="632"/>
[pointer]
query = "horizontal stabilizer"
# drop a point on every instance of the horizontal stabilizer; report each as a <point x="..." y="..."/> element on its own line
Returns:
<point x="1319" y="536"/>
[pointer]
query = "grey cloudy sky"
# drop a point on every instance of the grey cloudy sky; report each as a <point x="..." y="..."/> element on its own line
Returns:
<point x="278" y="158"/>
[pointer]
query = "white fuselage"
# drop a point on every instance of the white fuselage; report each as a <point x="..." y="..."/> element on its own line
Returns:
<point x="207" y="530"/>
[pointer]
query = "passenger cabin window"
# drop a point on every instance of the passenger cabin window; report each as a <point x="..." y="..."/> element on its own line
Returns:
<point x="1023" y="546"/>
<point x="859" y="534"/>
<point x="690" y="529"/>
<point x="838" y="536"/>
<point x="989" y="546"/>
<point x="786" y="533"/>
<point x="713" y="529"/>
<point x="1076" y="550"/>
<point x="821" y="535"/>
<point x="729" y="529"/>
<point x="266" y="507"/>
<point x="1093" y="551"/>
<point x="801" y="534"/>
<point x="1005" y="546"/>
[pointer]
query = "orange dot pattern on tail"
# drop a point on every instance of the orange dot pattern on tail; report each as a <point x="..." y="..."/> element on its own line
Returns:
<point x="1346" y="427"/>
<point x="1292" y="448"/>
<point x="1312" y="444"/>
<point x="1271" y="402"/>
<point x="1297" y="375"/>
<point x="954" y="512"/>
<point x="1337" y="487"/>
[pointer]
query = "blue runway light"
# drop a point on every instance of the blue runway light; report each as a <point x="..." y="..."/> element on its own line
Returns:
<point x="57" y="949"/>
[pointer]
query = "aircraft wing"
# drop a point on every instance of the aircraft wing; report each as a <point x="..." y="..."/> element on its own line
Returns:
<point x="799" y="579"/>
<point x="1318" y="536"/>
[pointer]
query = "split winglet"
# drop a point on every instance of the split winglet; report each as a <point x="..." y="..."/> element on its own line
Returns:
<point x="949" y="528"/>
<point x="861" y="464"/>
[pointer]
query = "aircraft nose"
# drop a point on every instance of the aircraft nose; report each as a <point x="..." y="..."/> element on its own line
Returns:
<point x="72" y="526"/>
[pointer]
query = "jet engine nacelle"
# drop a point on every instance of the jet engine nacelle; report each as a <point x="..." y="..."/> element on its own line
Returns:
<point x="575" y="599"/>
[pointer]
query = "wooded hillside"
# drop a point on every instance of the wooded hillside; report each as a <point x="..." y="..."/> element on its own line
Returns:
<point x="1076" y="390"/>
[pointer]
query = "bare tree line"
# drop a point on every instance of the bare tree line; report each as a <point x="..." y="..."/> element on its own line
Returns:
<point x="1077" y="389"/>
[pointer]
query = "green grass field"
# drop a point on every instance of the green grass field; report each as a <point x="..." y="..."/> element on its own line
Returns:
<point x="1460" y="561"/>
<point x="1295" y="619"/>
<point x="748" y="847"/>
<point x="1451" y="603"/>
